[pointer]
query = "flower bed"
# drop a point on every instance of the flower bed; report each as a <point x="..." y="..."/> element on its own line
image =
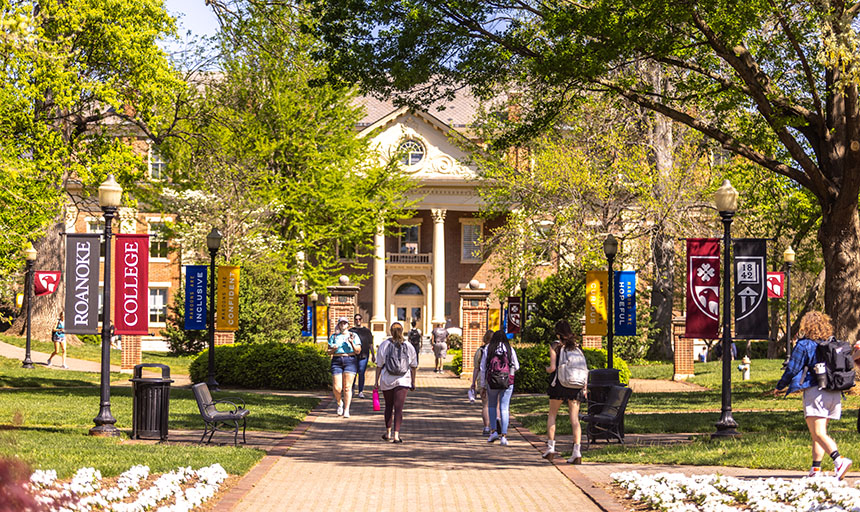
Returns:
<point x="717" y="493"/>
<point x="180" y="490"/>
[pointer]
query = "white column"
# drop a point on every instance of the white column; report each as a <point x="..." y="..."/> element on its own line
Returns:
<point x="379" y="276"/>
<point x="438" y="215"/>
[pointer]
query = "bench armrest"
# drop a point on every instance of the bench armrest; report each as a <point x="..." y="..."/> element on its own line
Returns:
<point x="235" y="407"/>
<point x="233" y="400"/>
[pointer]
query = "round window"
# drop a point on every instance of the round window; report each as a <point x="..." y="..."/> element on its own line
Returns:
<point x="412" y="151"/>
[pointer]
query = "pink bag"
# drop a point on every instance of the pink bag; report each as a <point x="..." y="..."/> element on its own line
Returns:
<point x="376" y="400"/>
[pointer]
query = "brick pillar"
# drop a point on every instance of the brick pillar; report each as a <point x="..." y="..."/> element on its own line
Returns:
<point x="224" y="337"/>
<point x="684" y="356"/>
<point x="130" y="353"/>
<point x="590" y="341"/>
<point x="475" y="310"/>
<point x="342" y="301"/>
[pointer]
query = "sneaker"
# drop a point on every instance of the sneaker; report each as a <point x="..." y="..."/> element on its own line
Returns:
<point x="64" y="367"/>
<point x="346" y="414"/>
<point x="813" y="472"/>
<point x="493" y="437"/>
<point x="361" y="394"/>
<point x="842" y="466"/>
<point x="503" y="441"/>
<point x="340" y="408"/>
<point x="486" y="431"/>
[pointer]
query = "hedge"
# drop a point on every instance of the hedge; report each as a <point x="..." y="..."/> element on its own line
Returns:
<point x="457" y="362"/>
<point x="272" y="365"/>
<point x="532" y="376"/>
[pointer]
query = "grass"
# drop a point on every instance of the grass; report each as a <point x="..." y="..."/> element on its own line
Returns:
<point x="12" y="375"/>
<point x="178" y="364"/>
<point x="67" y="450"/>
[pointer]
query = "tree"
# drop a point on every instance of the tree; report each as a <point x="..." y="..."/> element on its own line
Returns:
<point x="775" y="82"/>
<point x="75" y="77"/>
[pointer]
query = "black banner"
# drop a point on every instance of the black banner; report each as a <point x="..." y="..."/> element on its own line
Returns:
<point x="82" y="283"/>
<point x="750" y="257"/>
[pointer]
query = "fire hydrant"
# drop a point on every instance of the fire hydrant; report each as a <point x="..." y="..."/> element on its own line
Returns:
<point x="744" y="368"/>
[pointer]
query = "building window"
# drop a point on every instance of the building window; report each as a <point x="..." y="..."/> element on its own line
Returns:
<point x="97" y="226"/>
<point x="544" y="239"/>
<point x="412" y="151"/>
<point x="157" y="164"/>
<point x="409" y="238"/>
<point x="157" y="305"/>
<point x="158" y="244"/>
<point x="409" y="289"/>
<point x="471" y="243"/>
<point x="346" y="251"/>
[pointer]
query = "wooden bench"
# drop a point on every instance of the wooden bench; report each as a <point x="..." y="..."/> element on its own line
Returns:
<point x="219" y="421"/>
<point x="606" y="419"/>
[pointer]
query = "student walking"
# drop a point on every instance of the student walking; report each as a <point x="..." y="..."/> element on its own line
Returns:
<point x="58" y="336"/>
<point x="416" y="338"/>
<point x="367" y="350"/>
<point x="479" y="383"/>
<point x="819" y="405"/>
<point x="395" y="376"/>
<point x="344" y="347"/>
<point x="499" y="366"/>
<point x="568" y="383"/>
<point x="440" y="345"/>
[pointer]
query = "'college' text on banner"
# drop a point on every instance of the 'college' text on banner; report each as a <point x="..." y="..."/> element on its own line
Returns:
<point x="131" y="291"/>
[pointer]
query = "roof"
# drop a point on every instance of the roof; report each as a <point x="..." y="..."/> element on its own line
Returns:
<point x="458" y="113"/>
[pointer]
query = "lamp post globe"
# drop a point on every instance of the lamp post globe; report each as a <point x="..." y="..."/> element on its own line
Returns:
<point x="213" y="243"/>
<point x="30" y="255"/>
<point x="110" y="197"/>
<point x="610" y="249"/>
<point x="726" y="201"/>
<point x="788" y="258"/>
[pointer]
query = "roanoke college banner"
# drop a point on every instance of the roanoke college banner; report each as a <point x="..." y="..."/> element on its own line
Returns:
<point x="703" y="288"/>
<point x="82" y="283"/>
<point x="625" y="303"/>
<point x="131" y="291"/>
<point x="195" y="297"/>
<point x="596" y="288"/>
<point x="228" y="299"/>
<point x="750" y="289"/>
<point x="514" y="315"/>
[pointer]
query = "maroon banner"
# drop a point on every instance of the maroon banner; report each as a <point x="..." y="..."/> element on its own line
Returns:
<point x="131" y="289"/>
<point x="45" y="282"/>
<point x="514" y="315"/>
<point x="703" y="288"/>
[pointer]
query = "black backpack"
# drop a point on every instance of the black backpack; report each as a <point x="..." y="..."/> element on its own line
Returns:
<point x="397" y="359"/>
<point x="499" y="370"/>
<point x="415" y="338"/>
<point x="836" y="356"/>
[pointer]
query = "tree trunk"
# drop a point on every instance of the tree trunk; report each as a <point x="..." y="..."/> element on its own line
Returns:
<point x="46" y="309"/>
<point x="662" y="295"/>
<point x="839" y="236"/>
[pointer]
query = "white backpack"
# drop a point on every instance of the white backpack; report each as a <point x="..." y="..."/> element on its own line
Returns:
<point x="572" y="371"/>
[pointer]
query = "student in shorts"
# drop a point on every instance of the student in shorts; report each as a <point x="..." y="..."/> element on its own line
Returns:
<point x="440" y="345"/>
<point x="344" y="348"/>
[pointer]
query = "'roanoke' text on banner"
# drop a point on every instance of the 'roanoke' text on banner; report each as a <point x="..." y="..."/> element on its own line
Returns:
<point x="195" y="297"/>
<point x="82" y="283"/>
<point x="703" y="288"/>
<point x="131" y="291"/>
<point x="228" y="299"/>
<point x="596" y="289"/>
<point x="750" y="257"/>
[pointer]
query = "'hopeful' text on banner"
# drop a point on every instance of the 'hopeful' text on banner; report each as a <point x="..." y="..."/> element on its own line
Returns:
<point x="195" y="297"/>
<point x="625" y="303"/>
<point x="703" y="288"/>
<point x="228" y="299"/>
<point x="750" y="258"/>
<point x="82" y="283"/>
<point x="596" y="289"/>
<point x="131" y="291"/>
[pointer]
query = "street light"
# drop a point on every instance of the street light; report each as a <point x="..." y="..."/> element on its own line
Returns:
<point x="110" y="196"/>
<point x="213" y="242"/>
<point x="610" y="249"/>
<point x="30" y="257"/>
<point x="726" y="200"/>
<point x="314" y="296"/>
<point x="524" y="314"/>
<point x="788" y="258"/>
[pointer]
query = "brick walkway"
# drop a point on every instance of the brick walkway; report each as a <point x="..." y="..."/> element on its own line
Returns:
<point x="444" y="463"/>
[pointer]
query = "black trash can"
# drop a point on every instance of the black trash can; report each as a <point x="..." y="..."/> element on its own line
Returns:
<point x="600" y="381"/>
<point x="151" y="403"/>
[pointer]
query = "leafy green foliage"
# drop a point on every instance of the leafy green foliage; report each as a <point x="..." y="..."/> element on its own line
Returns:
<point x="266" y="366"/>
<point x="534" y="359"/>
<point x="560" y="296"/>
<point x="457" y="361"/>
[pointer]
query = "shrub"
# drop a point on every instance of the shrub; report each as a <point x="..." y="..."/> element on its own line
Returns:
<point x="455" y="342"/>
<point x="532" y="376"/>
<point x="559" y="296"/>
<point x="270" y="365"/>
<point x="457" y="362"/>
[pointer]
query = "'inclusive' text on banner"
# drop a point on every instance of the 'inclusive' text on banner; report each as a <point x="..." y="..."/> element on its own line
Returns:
<point x="195" y="297"/>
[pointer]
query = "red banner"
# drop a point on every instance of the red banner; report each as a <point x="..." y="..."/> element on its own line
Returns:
<point x="775" y="285"/>
<point x="514" y="315"/>
<point x="45" y="282"/>
<point x="131" y="289"/>
<point x="703" y="288"/>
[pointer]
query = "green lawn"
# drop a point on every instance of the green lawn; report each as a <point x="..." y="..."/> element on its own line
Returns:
<point x="178" y="364"/>
<point x="12" y="375"/>
<point x="710" y="374"/>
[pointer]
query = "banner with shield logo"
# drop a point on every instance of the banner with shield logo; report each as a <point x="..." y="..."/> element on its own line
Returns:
<point x="703" y="288"/>
<point x="750" y="257"/>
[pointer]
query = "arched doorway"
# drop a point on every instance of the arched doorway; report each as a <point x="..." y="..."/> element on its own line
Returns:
<point x="409" y="304"/>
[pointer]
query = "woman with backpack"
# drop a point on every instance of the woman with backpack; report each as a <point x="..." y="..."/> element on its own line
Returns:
<point x="499" y="366"/>
<point x="567" y="367"/>
<point x="819" y="405"/>
<point x="395" y="376"/>
<point x="344" y="348"/>
<point x="478" y="384"/>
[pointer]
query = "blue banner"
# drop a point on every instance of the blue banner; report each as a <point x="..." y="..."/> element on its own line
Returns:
<point x="307" y="315"/>
<point x="195" y="297"/>
<point x="625" y="302"/>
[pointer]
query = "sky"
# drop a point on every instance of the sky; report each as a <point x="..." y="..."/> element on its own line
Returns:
<point x="193" y="15"/>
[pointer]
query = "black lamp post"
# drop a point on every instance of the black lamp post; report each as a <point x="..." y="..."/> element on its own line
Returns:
<point x="314" y="296"/>
<point x="30" y="257"/>
<point x="110" y="196"/>
<point x="788" y="258"/>
<point x="726" y="200"/>
<point x="610" y="249"/>
<point x="524" y="314"/>
<point x="213" y="242"/>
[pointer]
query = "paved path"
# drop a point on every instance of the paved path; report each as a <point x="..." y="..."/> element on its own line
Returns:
<point x="443" y="464"/>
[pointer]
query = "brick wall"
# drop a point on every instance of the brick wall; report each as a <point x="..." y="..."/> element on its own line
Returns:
<point x="224" y="338"/>
<point x="684" y="356"/>
<point x="130" y="352"/>
<point x="343" y="302"/>
<point x="473" y="304"/>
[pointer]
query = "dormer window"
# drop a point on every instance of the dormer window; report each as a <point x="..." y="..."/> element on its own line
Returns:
<point x="412" y="151"/>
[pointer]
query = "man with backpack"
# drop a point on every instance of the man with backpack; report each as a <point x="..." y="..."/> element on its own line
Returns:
<point x="415" y="338"/>
<point x="822" y="367"/>
<point x="366" y="338"/>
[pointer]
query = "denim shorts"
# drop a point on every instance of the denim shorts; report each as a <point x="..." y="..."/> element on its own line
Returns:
<point x="344" y="364"/>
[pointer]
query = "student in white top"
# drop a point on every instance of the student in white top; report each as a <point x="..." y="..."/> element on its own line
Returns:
<point x="395" y="376"/>
<point x="558" y="393"/>
<point x="499" y="366"/>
